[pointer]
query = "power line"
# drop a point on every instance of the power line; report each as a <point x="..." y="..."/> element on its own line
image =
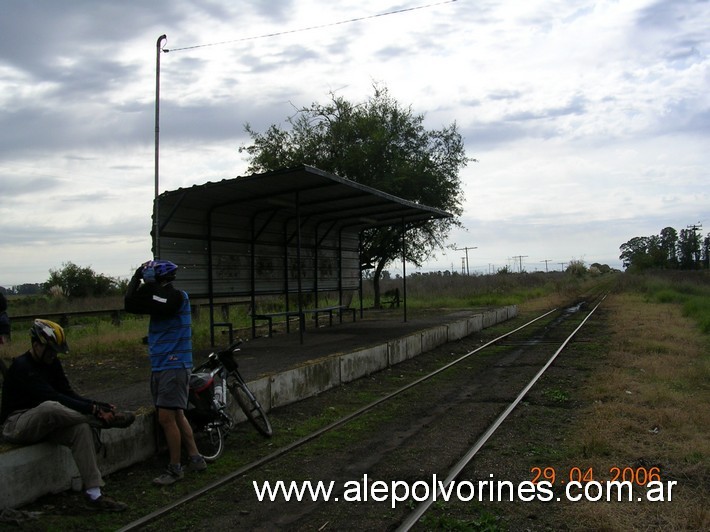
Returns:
<point x="520" y="259"/>
<point x="466" y="249"/>
<point x="331" y="24"/>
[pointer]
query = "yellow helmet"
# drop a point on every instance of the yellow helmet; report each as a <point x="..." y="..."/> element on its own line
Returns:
<point x="50" y="333"/>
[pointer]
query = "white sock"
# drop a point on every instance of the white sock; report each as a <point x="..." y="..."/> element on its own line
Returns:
<point x="94" y="493"/>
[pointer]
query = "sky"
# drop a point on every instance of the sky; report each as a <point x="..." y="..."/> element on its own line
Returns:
<point x="590" y="120"/>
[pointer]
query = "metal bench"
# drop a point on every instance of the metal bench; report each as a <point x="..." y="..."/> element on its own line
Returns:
<point x="340" y="309"/>
<point x="288" y="314"/>
<point x="316" y="312"/>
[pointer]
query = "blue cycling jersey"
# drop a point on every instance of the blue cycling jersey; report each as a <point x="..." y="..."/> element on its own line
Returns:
<point x="170" y="338"/>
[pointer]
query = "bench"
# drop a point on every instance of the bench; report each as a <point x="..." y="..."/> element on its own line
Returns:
<point x="226" y="325"/>
<point x="316" y="312"/>
<point x="340" y="309"/>
<point x="391" y="298"/>
<point x="288" y="314"/>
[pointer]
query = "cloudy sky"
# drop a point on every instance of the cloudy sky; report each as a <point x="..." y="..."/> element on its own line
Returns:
<point x="590" y="120"/>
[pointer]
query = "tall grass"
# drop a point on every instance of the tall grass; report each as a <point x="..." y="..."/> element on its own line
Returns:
<point x="646" y="405"/>
<point x="100" y="338"/>
<point x="690" y="290"/>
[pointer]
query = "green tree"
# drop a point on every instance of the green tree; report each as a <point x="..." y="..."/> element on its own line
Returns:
<point x="688" y="249"/>
<point x="76" y="282"/>
<point x="669" y="244"/>
<point x="381" y="144"/>
<point x="634" y="254"/>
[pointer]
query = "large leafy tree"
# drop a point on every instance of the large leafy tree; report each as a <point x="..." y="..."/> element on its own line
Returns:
<point x="634" y="253"/>
<point x="381" y="144"/>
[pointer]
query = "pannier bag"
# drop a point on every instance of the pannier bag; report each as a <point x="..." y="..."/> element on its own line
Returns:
<point x="202" y="391"/>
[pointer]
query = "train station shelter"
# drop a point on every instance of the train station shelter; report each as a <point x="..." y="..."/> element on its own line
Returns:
<point x="284" y="233"/>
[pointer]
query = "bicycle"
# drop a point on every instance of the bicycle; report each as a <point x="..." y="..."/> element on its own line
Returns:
<point x="208" y="409"/>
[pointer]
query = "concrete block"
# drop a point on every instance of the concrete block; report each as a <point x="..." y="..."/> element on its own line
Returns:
<point x="434" y="337"/>
<point x="475" y="323"/>
<point x="397" y="351"/>
<point x="457" y="330"/>
<point x="364" y="362"/>
<point x="30" y="471"/>
<point x="414" y="344"/>
<point x="490" y="318"/>
<point x="304" y="381"/>
<point x="125" y="447"/>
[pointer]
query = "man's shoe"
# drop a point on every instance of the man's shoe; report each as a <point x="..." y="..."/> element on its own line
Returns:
<point x="196" y="463"/>
<point x="105" y="504"/>
<point x="171" y="476"/>
<point x="120" y="420"/>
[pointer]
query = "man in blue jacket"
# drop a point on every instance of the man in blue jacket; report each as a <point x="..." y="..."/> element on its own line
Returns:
<point x="39" y="404"/>
<point x="151" y="291"/>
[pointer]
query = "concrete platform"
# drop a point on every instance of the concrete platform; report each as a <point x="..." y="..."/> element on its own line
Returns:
<point x="280" y="370"/>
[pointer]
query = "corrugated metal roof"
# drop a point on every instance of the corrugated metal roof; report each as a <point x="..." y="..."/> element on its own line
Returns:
<point x="318" y="195"/>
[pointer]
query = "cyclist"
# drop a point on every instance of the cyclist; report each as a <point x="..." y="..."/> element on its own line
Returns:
<point x="151" y="292"/>
<point x="39" y="404"/>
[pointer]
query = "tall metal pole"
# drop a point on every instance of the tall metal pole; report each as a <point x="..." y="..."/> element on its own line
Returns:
<point x="404" y="268"/>
<point x="156" y="217"/>
<point x="467" y="248"/>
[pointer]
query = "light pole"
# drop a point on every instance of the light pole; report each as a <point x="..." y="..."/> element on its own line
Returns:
<point x="156" y="219"/>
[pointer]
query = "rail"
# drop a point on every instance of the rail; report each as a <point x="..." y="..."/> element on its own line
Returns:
<point x="116" y="314"/>
<point x="190" y="497"/>
<point x="455" y="471"/>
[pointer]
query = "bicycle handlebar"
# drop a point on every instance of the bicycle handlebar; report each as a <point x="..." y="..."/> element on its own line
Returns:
<point x="231" y="348"/>
<point x="222" y="356"/>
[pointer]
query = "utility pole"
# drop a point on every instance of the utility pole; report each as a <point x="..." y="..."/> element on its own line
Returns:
<point x="562" y="266"/>
<point x="520" y="261"/>
<point x="546" y="261"/>
<point x="156" y="213"/>
<point x="466" y="249"/>
<point x="696" y="244"/>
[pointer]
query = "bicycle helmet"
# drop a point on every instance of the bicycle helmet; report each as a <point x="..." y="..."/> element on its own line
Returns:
<point x="159" y="270"/>
<point x="49" y="333"/>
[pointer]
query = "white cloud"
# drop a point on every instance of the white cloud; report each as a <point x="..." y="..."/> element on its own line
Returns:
<point x="590" y="119"/>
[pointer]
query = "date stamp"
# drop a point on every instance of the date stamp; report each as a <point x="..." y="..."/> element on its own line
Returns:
<point x="614" y="483"/>
<point x="640" y="476"/>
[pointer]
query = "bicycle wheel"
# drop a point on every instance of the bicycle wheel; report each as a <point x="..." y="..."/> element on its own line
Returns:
<point x="210" y="441"/>
<point x="250" y="406"/>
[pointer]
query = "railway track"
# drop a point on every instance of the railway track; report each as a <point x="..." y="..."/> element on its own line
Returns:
<point x="472" y="391"/>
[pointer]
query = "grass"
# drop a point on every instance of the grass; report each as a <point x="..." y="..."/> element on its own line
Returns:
<point x="636" y="397"/>
<point x="648" y="404"/>
<point x="103" y="340"/>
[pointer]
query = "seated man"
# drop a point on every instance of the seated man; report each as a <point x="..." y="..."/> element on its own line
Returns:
<point x="38" y="404"/>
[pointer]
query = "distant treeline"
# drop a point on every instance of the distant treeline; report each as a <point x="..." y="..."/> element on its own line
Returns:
<point x="71" y="281"/>
<point x="669" y="250"/>
<point x="28" y="289"/>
